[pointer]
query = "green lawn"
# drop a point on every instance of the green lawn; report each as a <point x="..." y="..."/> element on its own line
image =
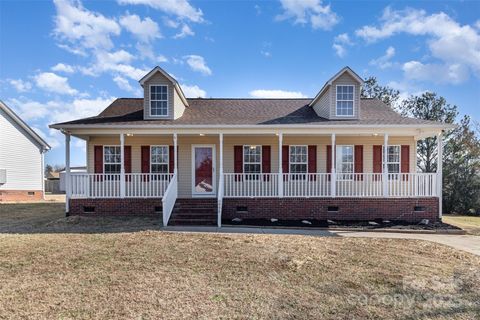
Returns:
<point x="469" y="223"/>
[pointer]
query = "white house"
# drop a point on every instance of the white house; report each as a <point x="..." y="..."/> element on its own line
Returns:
<point x="21" y="158"/>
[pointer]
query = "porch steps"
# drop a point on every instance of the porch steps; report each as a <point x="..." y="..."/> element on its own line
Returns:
<point x="194" y="212"/>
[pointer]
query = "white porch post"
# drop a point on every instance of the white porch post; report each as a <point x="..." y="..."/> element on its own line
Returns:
<point x="221" y="185"/>
<point x="67" y="172"/>
<point x="175" y="159"/>
<point x="333" y="177"/>
<point x="439" y="173"/>
<point x="122" y="165"/>
<point x="385" y="167"/>
<point x="43" y="172"/>
<point x="280" y="165"/>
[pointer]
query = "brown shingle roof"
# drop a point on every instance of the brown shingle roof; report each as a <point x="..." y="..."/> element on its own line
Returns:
<point x="129" y="111"/>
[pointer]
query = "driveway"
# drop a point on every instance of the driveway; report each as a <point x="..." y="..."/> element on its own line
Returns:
<point x="467" y="243"/>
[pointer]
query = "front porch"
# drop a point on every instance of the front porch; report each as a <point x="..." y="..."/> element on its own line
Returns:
<point x="326" y="184"/>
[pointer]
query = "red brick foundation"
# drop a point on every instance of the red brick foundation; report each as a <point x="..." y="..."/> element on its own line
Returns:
<point x="116" y="207"/>
<point x="359" y="209"/>
<point x="21" y="195"/>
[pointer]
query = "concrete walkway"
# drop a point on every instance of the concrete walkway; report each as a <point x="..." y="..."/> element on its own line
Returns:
<point x="466" y="243"/>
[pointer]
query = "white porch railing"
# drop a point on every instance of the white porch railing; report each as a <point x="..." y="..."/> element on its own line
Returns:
<point x="238" y="185"/>
<point x="137" y="185"/>
<point x="251" y="185"/>
<point x="169" y="198"/>
<point x="306" y="184"/>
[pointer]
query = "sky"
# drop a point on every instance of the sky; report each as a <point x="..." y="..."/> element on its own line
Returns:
<point x="62" y="60"/>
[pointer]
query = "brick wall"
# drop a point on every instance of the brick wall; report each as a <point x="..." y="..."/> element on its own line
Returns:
<point x="21" y="195"/>
<point x="117" y="207"/>
<point x="317" y="208"/>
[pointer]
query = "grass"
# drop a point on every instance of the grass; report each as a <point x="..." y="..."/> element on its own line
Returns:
<point x="469" y="223"/>
<point x="152" y="274"/>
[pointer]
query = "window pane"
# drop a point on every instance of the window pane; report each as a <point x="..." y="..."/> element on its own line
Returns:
<point x="159" y="168"/>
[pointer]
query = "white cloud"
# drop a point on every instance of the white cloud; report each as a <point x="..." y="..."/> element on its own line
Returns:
<point x="193" y="91"/>
<point x="28" y="110"/>
<point x="161" y="59"/>
<point x="340" y="43"/>
<point x="61" y="67"/>
<point x="20" y="85"/>
<point x="309" y="11"/>
<point x="280" y="94"/>
<point x="184" y="32"/>
<point x="439" y="73"/>
<point x="124" y="84"/>
<point x="82" y="27"/>
<point x="145" y="30"/>
<point x="51" y="82"/>
<point x="180" y="8"/>
<point x="456" y="46"/>
<point x="53" y="138"/>
<point x="197" y="63"/>
<point x="384" y="61"/>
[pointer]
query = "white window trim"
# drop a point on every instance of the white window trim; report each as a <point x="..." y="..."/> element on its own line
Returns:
<point x="168" y="157"/>
<point x="290" y="162"/>
<point x="105" y="163"/>
<point x="243" y="158"/>
<point x="150" y="101"/>
<point x="399" y="159"/>
<point x="341" y="175"/>
<point x="353" y="102"/>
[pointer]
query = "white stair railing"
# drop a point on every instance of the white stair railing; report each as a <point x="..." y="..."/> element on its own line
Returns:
<point x="169" y="199"/>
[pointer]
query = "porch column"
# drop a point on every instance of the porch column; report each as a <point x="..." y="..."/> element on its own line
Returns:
<point x="122" y="165"/>
<point x="440" y="173"/>
<point x="280" y="165"/>
<point x="67" y="173"/>
<point x="221" y="185"/>
<point x="175" y="159"/>
<point x="385" y="167"/>
<point x="220" y="137"/>
<point x="333" y="175"/>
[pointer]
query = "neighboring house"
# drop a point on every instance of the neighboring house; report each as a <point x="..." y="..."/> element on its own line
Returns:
<point x="201" y="161"/>
<point x="55" y="180"/>
<point x="21" y="159"/>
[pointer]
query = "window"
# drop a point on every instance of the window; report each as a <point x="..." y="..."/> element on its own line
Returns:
<point x="345" y="162"/>
<point x="345" y="100"/>
<point x="393" y="159"/>
<point x="159" y="159"/>
<point x="111" y="159"/>
<point x="158" y="100"/>
<point x="252" y="160"/>
<point x="298" y="159"/>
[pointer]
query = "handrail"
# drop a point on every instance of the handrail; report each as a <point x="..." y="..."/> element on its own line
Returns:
<point x="169" y="198"/>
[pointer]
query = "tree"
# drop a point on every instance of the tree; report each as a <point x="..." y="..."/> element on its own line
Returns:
<point x="428" y="106"/>
<point x="461" y="170"/>
<point x="371" y="89"/>
<point x="48" y="169"/>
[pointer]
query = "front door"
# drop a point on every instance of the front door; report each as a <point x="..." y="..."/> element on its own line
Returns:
<point x="203" y="170"/>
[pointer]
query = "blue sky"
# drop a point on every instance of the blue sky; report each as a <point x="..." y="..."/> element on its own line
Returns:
<point x="61" y="60"/>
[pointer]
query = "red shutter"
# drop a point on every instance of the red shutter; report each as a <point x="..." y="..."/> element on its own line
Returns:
<point x="98" y="160"/>
<point x="405" y="160"/>
<point x="266" y="161"/>
<point x="329" y="161"/>
<point x="127" y="155"/>
<point x="358" y="161"/>
<point x="171" y="159"/>
<point x="285" y="161"/>
<point x="238" y="161"/>
<point x="377" y="160"/>
<point x="145" y="160"/>
<point x="312" y="161"/>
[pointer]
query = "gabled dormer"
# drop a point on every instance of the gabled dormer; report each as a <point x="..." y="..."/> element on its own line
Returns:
<point x="340" y="96"/>
<point x="163" y="97"/>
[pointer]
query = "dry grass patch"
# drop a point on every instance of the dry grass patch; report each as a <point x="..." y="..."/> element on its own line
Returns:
<point x="469" y="223"/>
<point x="153" y="275"/>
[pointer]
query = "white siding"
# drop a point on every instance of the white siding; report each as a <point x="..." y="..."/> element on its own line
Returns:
<point x="20" y="155"/>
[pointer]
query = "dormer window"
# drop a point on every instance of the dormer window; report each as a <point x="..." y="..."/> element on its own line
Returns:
<point x="345" y="96"/>
<point x="159" y="100"/>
